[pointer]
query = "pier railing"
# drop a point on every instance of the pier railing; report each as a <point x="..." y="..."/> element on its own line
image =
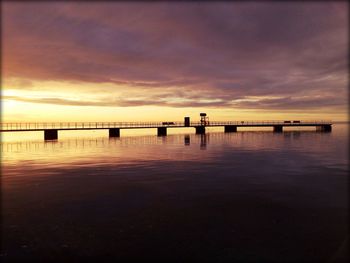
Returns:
<point x="106" y="125"/>
<point x="82" y="125"/>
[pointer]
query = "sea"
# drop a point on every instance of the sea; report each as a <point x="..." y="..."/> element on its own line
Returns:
<point x="251" y="195"/>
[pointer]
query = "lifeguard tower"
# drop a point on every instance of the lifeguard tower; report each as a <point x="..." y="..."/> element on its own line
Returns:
<point x="204" y="119"/>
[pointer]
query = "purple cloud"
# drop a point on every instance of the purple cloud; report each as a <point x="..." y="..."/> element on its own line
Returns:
<point x="207" y="50"/>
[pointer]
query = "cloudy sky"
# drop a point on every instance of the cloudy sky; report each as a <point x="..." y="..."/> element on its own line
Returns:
<point x="113" y="61"/>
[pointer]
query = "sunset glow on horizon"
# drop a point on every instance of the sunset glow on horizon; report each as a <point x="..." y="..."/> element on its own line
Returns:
<point x="118" y="61"/>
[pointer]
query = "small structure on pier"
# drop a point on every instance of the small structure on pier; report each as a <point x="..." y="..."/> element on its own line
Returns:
<point x="204" y="119"/>
<point x="187" y="122"/>
<point x="203" y="122"/>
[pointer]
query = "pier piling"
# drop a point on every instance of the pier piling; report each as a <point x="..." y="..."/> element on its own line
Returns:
<point x="114" y="132"/>
<point x="278" y="128"/>
<point x="161" y="131"/>
<point x="230" y="128"/>
<point x="324" y="128"/>
<point x="50" y="134"/>
<point x="200" y="129"/>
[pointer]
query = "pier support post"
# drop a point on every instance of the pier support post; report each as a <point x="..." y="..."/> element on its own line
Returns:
<point x="50" y="134"/>
<point x="114" y="132"/>
<point x="161" y="131"/>
<point x="278" y="128"/>
<point x="324" y="128"/>
<point x="230" y="128"/>
<point x="200" y="129"/>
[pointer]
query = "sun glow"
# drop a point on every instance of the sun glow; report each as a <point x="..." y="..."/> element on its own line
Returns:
<point x="60" y="101"/>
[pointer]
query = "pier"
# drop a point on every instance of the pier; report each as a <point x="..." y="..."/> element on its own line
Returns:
<point x="51" y="129"/>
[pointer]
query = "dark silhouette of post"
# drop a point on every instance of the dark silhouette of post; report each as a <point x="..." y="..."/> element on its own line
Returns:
<point x="324" y="128"/>
<point x="161" y="131"/>
<point x="230" y="128"/>
<point x="278" y="128"/>
<point x="187" y="121"/>
<point x="114" y="132"/>
<point x="200" y="129"/>
<point x="50" y="134"/>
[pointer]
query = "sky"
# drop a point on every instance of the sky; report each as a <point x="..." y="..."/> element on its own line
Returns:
<point x="156" y="61"/>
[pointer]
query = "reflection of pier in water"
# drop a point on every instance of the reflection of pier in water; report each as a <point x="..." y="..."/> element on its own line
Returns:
<point x="204" y="140"/>
<point x="102" y="142"/>
<point x="187" y="140"/>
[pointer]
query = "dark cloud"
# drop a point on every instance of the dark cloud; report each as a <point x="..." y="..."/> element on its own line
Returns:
<point x="290" y="103"/>
<point x="285" y="103"/>
<point x="196" y="51"/>
<point x="113" y="102"/>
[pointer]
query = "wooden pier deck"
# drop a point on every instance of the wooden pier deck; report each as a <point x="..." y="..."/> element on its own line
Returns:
<point x="51" y="129"/>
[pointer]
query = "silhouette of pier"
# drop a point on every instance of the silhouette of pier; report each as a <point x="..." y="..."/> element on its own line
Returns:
<point x="51" y="129"/>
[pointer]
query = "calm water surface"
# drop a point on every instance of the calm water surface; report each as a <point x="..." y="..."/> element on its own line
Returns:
<point x="250" y="195"/>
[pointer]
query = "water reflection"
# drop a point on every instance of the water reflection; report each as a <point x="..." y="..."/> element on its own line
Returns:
<point x="204" y="141"/>
<point x="187" y="140"/>
<point x="101" y="151"/>
<point x="248" y="195"/>
<point x="243" y="140"/>
<point x="295" y="135"/>
<point x="251" y="137"/>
